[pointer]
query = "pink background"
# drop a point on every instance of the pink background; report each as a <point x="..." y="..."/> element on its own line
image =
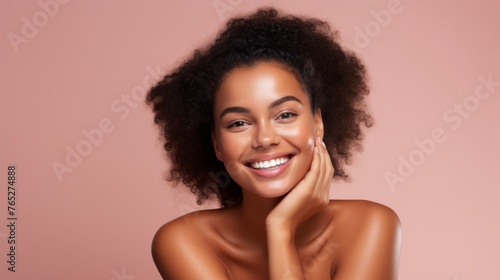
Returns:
<point x="81" y="61"/>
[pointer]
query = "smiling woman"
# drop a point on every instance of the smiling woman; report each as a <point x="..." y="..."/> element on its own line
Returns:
<point x="278" y="104"/>
<point x="265" y="117"/>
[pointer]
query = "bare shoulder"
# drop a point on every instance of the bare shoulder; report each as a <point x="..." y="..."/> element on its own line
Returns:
<point x="370" y="233"/>
<point x="364" y="210"/>
<point x="181" y="249"/>
<point x="364" y="218"/>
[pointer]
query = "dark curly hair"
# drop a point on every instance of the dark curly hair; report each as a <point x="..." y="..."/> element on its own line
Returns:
<point x="334" y="79"/>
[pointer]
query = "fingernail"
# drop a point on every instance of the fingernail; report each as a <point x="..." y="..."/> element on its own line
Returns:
<point x="324" y="145"/>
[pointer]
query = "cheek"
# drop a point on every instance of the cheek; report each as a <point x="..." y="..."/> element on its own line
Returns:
<point x="231" y="149"/>
<point x="302" y="136"/>
<point x="228" y="150"/>
<point x="308" y="152"/>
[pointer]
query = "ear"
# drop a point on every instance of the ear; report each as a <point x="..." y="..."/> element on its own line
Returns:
<point x="218" y="153"/>
<point x="318" y="124"/>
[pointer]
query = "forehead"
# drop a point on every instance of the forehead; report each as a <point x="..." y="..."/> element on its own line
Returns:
<point x="259" y="83"/>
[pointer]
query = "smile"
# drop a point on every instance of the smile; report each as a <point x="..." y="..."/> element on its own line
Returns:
<point x="269" y="163"/>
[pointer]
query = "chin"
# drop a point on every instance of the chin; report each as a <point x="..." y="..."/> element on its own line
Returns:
<point x="274" y="192"/>
<point x="271" y="188"/>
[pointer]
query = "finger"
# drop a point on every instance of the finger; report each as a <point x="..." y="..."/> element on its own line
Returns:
<point x="314" y="170"/>
<point x="321" y="169"/>
<point x="327" y="171"/>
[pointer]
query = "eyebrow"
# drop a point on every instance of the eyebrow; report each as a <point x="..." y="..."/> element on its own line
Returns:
<point x="275" y="103"/>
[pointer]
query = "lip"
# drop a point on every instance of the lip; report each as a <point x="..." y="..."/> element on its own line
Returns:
<point x="273" y="171"/>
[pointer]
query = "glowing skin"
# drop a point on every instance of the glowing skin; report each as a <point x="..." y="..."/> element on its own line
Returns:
<point x="262" y="114"/>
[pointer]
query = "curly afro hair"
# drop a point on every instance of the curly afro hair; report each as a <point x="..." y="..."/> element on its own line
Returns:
<point x="182" y="102"/>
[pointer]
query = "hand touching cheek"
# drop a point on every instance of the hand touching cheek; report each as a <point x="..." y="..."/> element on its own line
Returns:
<point x="309" y="196"/>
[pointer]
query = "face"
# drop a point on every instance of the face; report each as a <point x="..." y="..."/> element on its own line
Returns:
<point x="264" y="128"/>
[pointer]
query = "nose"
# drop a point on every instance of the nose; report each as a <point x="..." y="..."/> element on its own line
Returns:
<point x="265" y="136"/>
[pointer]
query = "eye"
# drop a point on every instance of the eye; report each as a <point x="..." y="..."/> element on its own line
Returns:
<point x="286" y="115"/>
<point x="236" y="124"/>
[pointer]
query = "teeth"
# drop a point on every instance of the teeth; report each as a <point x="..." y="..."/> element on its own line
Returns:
<point x="269" y="163"/>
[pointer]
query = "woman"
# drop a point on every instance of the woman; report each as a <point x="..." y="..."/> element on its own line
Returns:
<point x="263" y="118"/>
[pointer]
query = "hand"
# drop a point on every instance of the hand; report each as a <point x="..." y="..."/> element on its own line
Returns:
<point x="309" y="196"/>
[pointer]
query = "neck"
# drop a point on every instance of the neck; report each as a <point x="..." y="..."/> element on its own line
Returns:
<point x="253" y="211"/>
